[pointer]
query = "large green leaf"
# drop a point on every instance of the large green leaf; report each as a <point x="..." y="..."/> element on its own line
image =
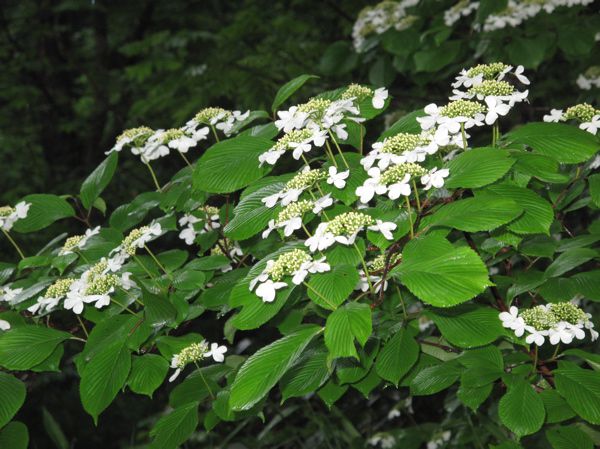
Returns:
<point x="306" y="376"/>
<point x="557" y="409"/>
<point x="103" y="377"/>
<point x="475" y="214"/>
<point x="288" y="89"/>
<point x="147" y="373"/>
<point x="468" y="325"/>
<point x="44" y="210"/>
<point x="173" y="429"/>
<point x="594" y="185"/>
<point x="232" y="164"/>
<point x="331" y="289"/>
<point x="27" y="346"/>
<point x="97" y="181"/>
<point x="397" y="356"/>
<point x="565" y="143"/>
<point x="434" y="379"/>
<point x="251" y="215"/>
<point x="266" y="367"/>
<point x="12" y="392"/>
<point x="581" y="389"/>
<point x="521" y="409"/>
<point x="350" y="322"/>
<point x="538" y="214"/>
<point x="569" y="437"/>
<point x="254" y="311"/>
<point x="406" y="124"/>
<point x="14" y="436"/>
<point x="440" y="274"/>
<point x="568" y="260"/>
<point x="478" y="167"/>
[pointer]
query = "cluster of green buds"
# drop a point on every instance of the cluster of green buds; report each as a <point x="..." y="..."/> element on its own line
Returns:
<point x="60" y="288"/>
<point x="401" y="142"/>
<point x="287" y="264"/>
<point x="305" y="179"/>
<point x="488" y="71"/>
<point x="315" y="107"/>
<point x="208" y="116"/>
<point x="129" y="243"/>
<point x="378" y="264"/>
<point x="539" y="317"/>
<point x="137" y="137"/>
<point x="492" y="88"/>
<point x="5" y="211"/>
<point x="71" y="243"/>
<point x="462" y="108"/>
<point x="293" y="210"/>
<point x="397" y="172"/>
<point x="358" y="92"/>
<point x="190" y="354"/>
<point x="294" y="136"/>
<point x="102" y="284"/>
<point x="349" y="223"/>
<point x="583" y="112"/>
<point x="566" y="311"/>
<point x="171" y="134"/>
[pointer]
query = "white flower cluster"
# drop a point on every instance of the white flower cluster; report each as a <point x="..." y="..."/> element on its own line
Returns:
<point x="384" y="440"/>
<point x="8" y="294"/>
<point x="309" y="124"/>
<point x="519" y="11"/>
<point x="195" y="353"/>
<point x="77" y="242"/>
<point x="438" y="440"/>
<point x="136" y="239"/>
<point x="379" y="18"/>
<point x="9" y="215"/>
<point x="295" y="263"/>
<point x="586" y="114"/>
<point x="590" y="79"/>
<point x="189" y="222"/>
<point x="220" y="118"/>
<point x="463" y="8"/>
<point x="559" y="322"/>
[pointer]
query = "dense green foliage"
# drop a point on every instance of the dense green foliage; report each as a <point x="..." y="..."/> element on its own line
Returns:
<point x="343" y="265"/>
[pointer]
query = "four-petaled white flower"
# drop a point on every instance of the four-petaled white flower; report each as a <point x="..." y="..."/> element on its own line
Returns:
<point x="290" y="119"/>
<point x="385" y="227"/>
<point x="20" y="211"/>
<point x="379" y="97"/>
<point x="314" y="266"/>
<point x="519" y="75"/>
<point x="535" y="336"/>
<point x="322" y="203"/>
<point x="216" y="352"/>
<point x="267" y="290"/>
<point x="496" y="108"/>
<point x="592" y="126"/>
<point x="560" y="333"/>
<point x="337" y="179"/>
<point x="435" y="178"/>
<point x="556" y="115"/>
<point x="401" y="187"/>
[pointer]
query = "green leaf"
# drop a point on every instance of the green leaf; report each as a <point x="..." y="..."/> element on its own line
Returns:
<point x="331" y="289"/>
<point x="434" y="379"/>
<point x="406" y="124"/>
<point x="594" y="184"/>
<point x="147" y="373"/>
<point x="331" y="392"/>
<point x="581" y="389"/>
<point x="251" y="216"/>
<point x="172" y="430"/>
<point x="475" y="214"/>
<point x="44" y="210"/>
<point x="306" y="376"/>
<point x="26" y="346"/>
<point x="568" y="260"/>
<point x="468" y="325"/>
<point x="288" y="89"/>
<point x="521" y="409"/>
<point x="188" y="280"/>
<point x="350" y="322"/>
<point x="232" y="164"/>
<point x="255" y="312"/>
<point x="569" y="437"/>
<point x="527" y="52"/>
<point x="557" y="409"/>
<point x="588" y="284"/>
<point x="542" y="167"/>
<point x="478" y="167"/>
<point x="53" y="430"/>
<point x="440" y="274"/>
<point x="198" y="385"/>
<point x="97" y="181"/>
<point x="103" y="377"/>
<point x="564" y="143"/>
<point x="14" y="436"/>
<point x="12" y="392"/>
<point x="434" y="59"/>
<point x="538" y="214"/>
<point x="265" y="368"/>
<point x="397" y="356"/>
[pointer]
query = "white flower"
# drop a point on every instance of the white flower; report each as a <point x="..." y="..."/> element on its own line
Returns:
<point x="271" y="200"/>
<point x="175" y="374"/>
<point x="290" y="119"/>
<point x="535" y="336"/>
<point x="379" y="97"/>
<point x="519" y="74"/>
<point x="270" y="157"/>
<point x="340" y="131"/>
<point x="322" y="203"/>
<point x="593" y="126"/>
<point x="270" y="228"/>
<point x="321" y="239"/>
<point x="182" y="144"/>
<point x="435" y="178"/>
<point x="429" y="121"/>
<point x="385" y="227"/>
<point x="464" y="80"/>
<point x="495" y="109"/>
<point x="267" y="290"/>
<point x="300" y="148"/>
<point x="74" y="301"/>
<point x="556" y="115"/>
<point x="560" y="333"/>
<point x="20" y="211"/>
<point x="337" y="179"/>
<point x="126" y="281"/>
<point x="314" y="266"/>
<point x="510" y="318"/>
<point x="4" y="325"/>
<point x="290" y="196"/>
<point x="216" y="352"/>
<point x="200" y="134"/>
<point x="291" y="225"/>
<point x="401" y="187"/>
<point x="371" y="186"/>
<point x="188" y="235"/>
<point x="9" y="294"/>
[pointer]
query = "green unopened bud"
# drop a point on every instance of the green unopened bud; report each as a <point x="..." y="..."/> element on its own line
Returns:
<point x="294" y="136"/>
<point x="305" y="179"/>
<point x="583" y="112"/>
<point x="489" y="71"/>
<point x="397" y="172"/>
<point x="59" y="289"/>
<point x="402" y="142"/>
<point x="207" y="115"/>
<point x="462" y="108"/>
<point x="192" y="353"/>
<point x="349" y="223"/>
<point x="288" y="263"/>
<point x="358" y="92"/>
<point x="296" y="209"/>
<point x="493" y="88"/>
